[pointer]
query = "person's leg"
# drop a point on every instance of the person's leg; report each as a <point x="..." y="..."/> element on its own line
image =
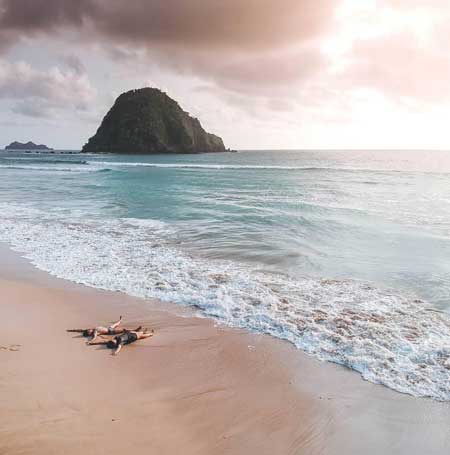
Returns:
<point x="94" y="337"/>
<point x="142" y="335"/>
<point x="117" y="323"/>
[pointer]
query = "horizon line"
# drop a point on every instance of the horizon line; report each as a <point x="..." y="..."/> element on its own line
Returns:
<point x="340" y="149"/>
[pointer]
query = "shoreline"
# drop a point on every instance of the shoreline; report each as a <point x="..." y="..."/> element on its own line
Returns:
<point x="195" y="386"/>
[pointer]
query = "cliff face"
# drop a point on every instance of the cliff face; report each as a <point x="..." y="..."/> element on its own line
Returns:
<point x="147" y="121"/>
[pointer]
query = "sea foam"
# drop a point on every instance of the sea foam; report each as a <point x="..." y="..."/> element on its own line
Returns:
<point x="75" y="168"/>
<point x="389" y="339"/>
<point x="269" y="167"/>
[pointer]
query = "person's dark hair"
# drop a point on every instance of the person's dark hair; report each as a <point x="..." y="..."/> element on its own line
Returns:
<point x="86" y="333"/>
<point x="111" y="344"/>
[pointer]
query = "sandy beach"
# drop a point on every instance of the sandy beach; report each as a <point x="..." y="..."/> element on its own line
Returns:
<point x="263" y="189"/>
<point x="195" y="387"/>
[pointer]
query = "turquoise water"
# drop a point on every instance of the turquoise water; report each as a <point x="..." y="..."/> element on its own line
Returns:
<point x="287" y="243"/>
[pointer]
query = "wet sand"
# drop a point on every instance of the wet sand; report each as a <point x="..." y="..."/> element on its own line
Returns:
<point x="194" y="388"/>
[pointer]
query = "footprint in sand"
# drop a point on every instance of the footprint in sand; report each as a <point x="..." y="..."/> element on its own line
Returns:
<point x="11" y="347"/>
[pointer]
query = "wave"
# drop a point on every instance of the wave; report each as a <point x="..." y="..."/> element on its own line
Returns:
<point x="267" y="167"/>
<point x="52" y="168"/>
<point x="387" y="338"/>
<point x="45" y="160"/>
<point x="226" y="166"/>
<point x="203" y="166"/>
<point x="200" y="166"/>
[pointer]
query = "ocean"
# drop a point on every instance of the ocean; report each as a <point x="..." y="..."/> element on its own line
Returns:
<point x="345" y="254"/>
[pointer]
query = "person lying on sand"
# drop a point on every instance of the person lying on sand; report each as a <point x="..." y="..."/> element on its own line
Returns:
<point x="113" y="329"/>
<point x="128" y="337"/>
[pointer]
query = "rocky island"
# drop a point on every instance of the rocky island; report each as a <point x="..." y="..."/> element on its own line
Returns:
<point x="27" y="147"/>
<point x="148" y="121"/>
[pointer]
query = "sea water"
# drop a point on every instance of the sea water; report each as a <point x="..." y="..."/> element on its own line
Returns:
<point x="346" y="254"/>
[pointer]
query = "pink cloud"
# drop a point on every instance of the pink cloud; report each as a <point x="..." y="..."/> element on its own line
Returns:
<point x="400" y="66"/>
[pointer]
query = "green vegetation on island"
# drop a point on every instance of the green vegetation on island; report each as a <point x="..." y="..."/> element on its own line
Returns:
<point x="148" y="121"/>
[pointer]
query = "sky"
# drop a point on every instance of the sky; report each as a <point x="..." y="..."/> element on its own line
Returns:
<point x="262" y="74"/>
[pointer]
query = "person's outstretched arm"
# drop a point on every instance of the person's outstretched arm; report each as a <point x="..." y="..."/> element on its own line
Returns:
<point x="117" y="350"/>
<point x="75" y="330"/>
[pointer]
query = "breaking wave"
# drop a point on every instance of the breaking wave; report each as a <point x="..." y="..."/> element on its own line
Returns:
<point x="53" y="168"/>
<point x="257" y="167"/>
<point x="203" y="166"/>
<point x="44" y="160"/>
<point x="389" y="339"/>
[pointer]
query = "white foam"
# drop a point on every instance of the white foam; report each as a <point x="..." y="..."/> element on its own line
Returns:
<point x="52" y="168"/>
<point x="107" y="165"/>
<point x="389" y="339"/>
<point x="261" y="167"/>
<point x="46" y="160"/>
<point x="201" y="166"/>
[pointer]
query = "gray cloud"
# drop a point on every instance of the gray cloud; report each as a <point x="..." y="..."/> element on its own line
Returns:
<point x="41" y="93"/>
<point x="33" y="107"/>
<point x="249" y="24"/>
<point x="74" y="63"/>
<point x="274" y="73"/>
<point x="29" y="16"/>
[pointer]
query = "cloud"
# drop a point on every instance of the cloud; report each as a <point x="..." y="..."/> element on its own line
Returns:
<point x="235" y="24"/>
<point x="29" y="16"/>
<point x="400" y="66"/>
<point x="261" y="52"/>
<point x="238" y="44"/>
<point x="74" y="63"/>
<point x="40" y="93"/>
<point x="276" y="73"/>
<point x="408" y="4"/>
<point x="249" y="24"/>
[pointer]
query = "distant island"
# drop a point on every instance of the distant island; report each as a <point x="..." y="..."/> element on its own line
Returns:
<point x="148" y="121"/>
<point x="29" y="146"/>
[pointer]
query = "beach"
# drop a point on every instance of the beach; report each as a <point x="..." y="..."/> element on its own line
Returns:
<point x="320" y="257"/>
<point x="195" y="387"/>
<point x="246" y="206"/>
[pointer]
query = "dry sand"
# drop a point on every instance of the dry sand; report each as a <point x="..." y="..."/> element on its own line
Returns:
<point x="194" y="388"/>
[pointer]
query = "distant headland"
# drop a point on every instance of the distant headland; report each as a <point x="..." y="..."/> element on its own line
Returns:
<point x="148" y="121"/>
<point x="26" y="147"/>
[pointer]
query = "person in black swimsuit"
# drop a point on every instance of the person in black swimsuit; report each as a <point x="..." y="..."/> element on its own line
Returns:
<point x="128" y="337"/>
